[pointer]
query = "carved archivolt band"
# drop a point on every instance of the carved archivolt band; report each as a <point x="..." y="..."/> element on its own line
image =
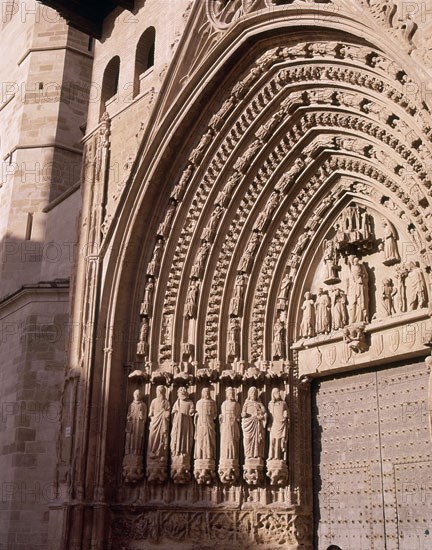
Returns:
<point x="246" y="198"/>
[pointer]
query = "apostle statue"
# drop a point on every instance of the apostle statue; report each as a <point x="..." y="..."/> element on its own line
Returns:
<point x="278" y="412"/>
<point x="229" y="420"/>
<point x="254" y="418"/>
<point x="209" y="231"/>
<point x="157" y="450"/>
<point x="182" y="437"/>
<point x="133" y="469"/>
<point x="205" y="438"/>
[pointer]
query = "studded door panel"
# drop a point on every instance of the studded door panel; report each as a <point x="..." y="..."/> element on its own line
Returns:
<point x="373" y="460"/>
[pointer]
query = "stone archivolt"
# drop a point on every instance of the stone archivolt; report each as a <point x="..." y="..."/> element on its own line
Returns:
<point x="374" y="135"/>
<point x="315" y="133"/>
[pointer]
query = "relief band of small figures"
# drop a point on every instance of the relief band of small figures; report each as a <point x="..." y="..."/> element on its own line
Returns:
<point x="183" y="438"/>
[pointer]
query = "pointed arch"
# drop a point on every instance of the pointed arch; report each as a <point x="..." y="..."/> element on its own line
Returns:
<point x="271" y="111"/>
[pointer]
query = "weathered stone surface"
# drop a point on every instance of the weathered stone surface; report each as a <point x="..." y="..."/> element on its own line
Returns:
<point x="256" y="215"/>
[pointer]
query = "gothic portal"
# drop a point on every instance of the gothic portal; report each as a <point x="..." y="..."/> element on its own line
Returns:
<point x="256" y="306"/>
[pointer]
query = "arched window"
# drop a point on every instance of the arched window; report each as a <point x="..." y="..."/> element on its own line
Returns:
<point x="145" y="53"/>
<point x="110" y="81"/>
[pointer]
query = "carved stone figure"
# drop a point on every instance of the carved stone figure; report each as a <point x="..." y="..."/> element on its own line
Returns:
<point x="209" y="231"/>
<point x="234" y="338"/>
<point x="278" y="423"/>
<point x="165" y="226"/>
<point x="415" y="285"/>
<point x="198" y="152"/>
<point x="416" y="239"/>
<point x="322" y="312"/>
<point x="331" y="262"/>
<point x="224" y="196"/>
<point x="264" y="217"/>
<point x="205" y="439"/>
<point x="293" y="263"/>
<point x="301" y="243"/>
<point x="157" y="450"/>
<point x="142" y="346"/>
<point x="182" y="432"/>
<point x="243" y="162"/>
<point x="354" y="227"/>
<point x="103" y="144"/>
<point x="339" y="310"/>
<point x="391" y="253"/>
<point x="147" y="304"/>
<point x="219" y="118"/>
<point x="355" y="338"/>
<point x="277" y="469"/>
<point x="192" y="299"/>
<point x="236" y="303"/>
<point x="154" y="265"/>
<point x="254" y="419"/>
<point x="180" y="187"/>
<point x="387" y="297"/>
<point x="200" y="260"/>
<point x="401" y="275"/>
<point x="267" y="129"/>
<point x="249" y="253"/>
<point x="283" y="292"/>
<point x="307" y="326"/>
<point x="133" y="470"/>
<point x="358" y="292"/>
<point x="229" y="419"/>
<point x="279" y="339"/>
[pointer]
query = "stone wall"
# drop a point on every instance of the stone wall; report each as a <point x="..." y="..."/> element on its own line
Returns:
<point x="45" y="89"/>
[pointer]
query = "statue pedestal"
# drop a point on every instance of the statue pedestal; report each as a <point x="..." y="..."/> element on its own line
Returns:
<point x="181" y="469"/>
<point x="204" y="471"/>
<point x="229" y="471"/>
<point x="277" y="472"/>
<point x="253" y="471"/>
<point x="133" y="468"/>
<point x="156" y="470"/>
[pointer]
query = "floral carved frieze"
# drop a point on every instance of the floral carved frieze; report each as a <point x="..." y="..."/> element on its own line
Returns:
<point x="258" y="529"/>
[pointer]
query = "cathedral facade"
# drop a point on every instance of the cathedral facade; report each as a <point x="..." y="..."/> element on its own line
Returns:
<point x="250" y="312"/>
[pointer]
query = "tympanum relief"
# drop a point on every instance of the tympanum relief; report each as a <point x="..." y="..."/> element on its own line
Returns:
<point x="368" y="273"/>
